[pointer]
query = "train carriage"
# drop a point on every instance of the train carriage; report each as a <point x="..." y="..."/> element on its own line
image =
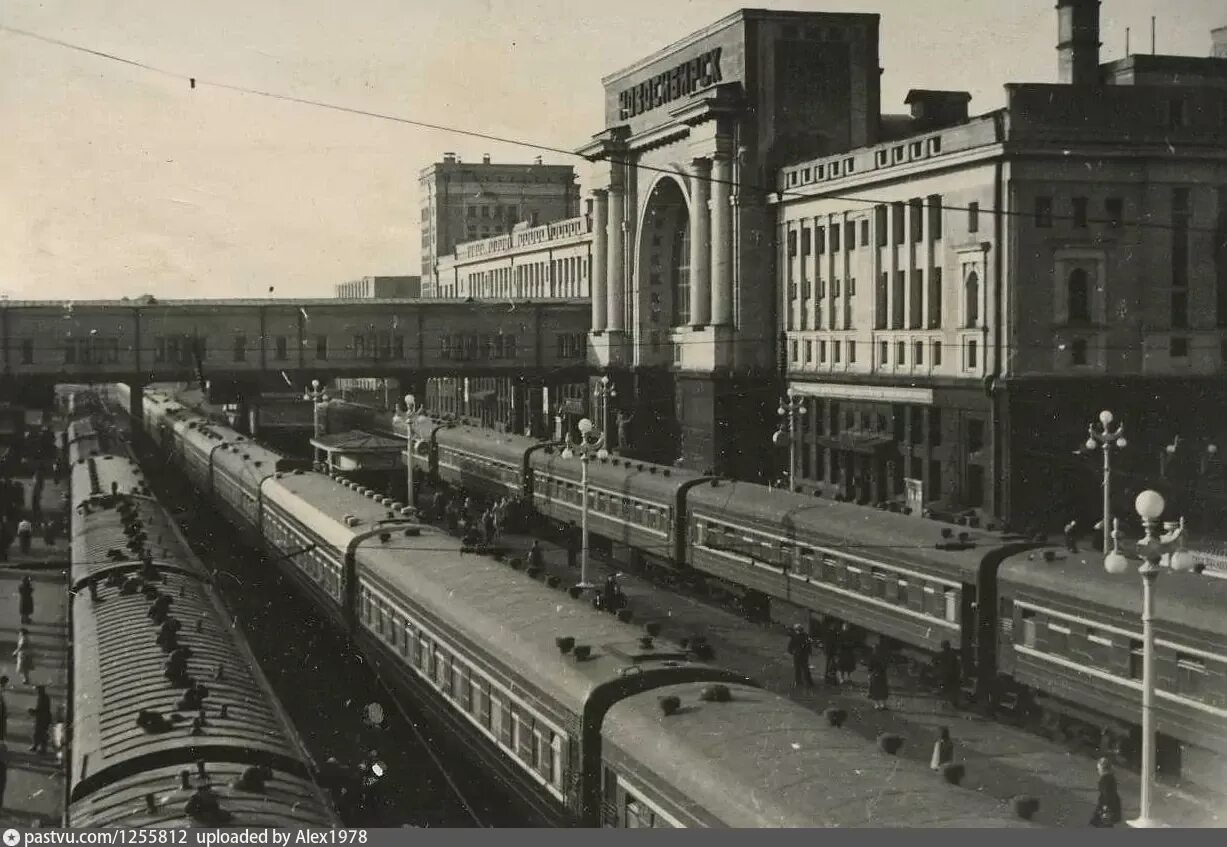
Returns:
<point x="700" y="763"/>
<point x="632" y="503"/>
<point x="237" y="467"/>
<point x="1071" y="634"/>
<point x="892" y="574"/>
<point x="483" y="641"/>
<point x="481" y="461"/>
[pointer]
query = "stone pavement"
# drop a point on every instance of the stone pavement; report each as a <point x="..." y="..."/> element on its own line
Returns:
<point x="1001" y="761"/>
<point x="34" y="794"/>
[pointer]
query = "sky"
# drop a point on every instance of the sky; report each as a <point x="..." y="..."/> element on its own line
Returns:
<point x="117" y="181"/>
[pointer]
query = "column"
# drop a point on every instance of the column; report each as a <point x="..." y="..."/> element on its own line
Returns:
<point x="600" y="215"/>
<point x="700" y="244"/>
<point x="889" y="266"/>
<point x="721" y="243"/>
<point x="615" y="283"/>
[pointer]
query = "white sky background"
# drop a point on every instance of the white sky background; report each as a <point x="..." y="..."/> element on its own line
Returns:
<point x="115" y="181"/>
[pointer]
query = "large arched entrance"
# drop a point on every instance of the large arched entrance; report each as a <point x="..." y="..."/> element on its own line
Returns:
<point x="662" y="303"/>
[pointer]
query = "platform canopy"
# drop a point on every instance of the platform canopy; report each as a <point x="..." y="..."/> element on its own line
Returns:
<point x="357" y="450"/>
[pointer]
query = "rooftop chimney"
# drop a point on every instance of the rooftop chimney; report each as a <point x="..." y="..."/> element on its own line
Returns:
<point x="932" y="109"/>
<point x="449" y="158"/>
<point x="485" y="158"/>
<point x="537" y="160"/>
<point x="1078" y="41"/>
<point x="1218" y="37"/>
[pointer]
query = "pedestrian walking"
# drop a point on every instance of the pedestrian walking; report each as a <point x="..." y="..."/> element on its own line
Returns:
<point x="42" y="721"/>
<point x="25" y="532"/>
<point x="487" y="523"/>
<point x="943" y="750"/>
<point x="25" y="592"/>
<point x="847" y="654"/>
<point x="800" y="648"/>
<point x="1071" y="536"/>
<point x="879" y="681"/>
<point x="439" y="506"/>
<point x="536" y="558"/>
<point x="4" y="708"/>
<point x="949" y="675"/>
<point x="1107" y="809"/>
<point x="50" y="531"/>
<point x="24" y="655"/>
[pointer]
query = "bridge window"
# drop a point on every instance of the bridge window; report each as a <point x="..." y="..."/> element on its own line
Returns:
<point x="240" y="348"/>
<point x="282" y="348"/>
<point x="321" y="347"/>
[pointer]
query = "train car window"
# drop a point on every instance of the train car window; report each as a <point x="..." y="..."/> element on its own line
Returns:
<point x="852" y="577"/>
<point x="929" y="601"/>
<point x="464" y="687"/>
<point x="484" y="704"/>
<point x="952" y="605"/>
<point x="805" y="562"/>
<point x="830" y="570"/>
<point x="1190" y="675"/>
<point x="505" y="725"/>
<point x="609" y="787"/>
<point x="552" y="760"/>
<point x="423" y="652"/>
<point x="638" y="816"/>
<point x="440" y="669"/>
<point x="407" y="640"/>
<point x="535" y="742"/>
<point x="1136" y="661"/>
<point x="1058" y="638"/>
<point x="879" y="577"/>
<point x="445" y="673"/>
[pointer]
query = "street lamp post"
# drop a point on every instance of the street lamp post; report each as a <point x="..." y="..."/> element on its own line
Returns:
<point x="1169" y="452"/>
<point x="591" y="443"/>
<point x="410" y="417"/>
<point x="605" y="392"/>
<point x="1106" y="438"/>
<point x="317" y="396"/>
<point x="791" y="411"/>
<point x="1156" y="551"/>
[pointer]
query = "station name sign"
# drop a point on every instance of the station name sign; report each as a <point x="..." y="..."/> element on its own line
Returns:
<point x="682" y="81"/>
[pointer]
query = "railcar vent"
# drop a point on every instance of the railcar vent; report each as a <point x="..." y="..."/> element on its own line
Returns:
<point x="351" y="521"/>
<point x="406" y="511"/>
<point x="716" y="694"/>
<point x="413" y="532"/>
<point x="670" y="705"/>
<point x="651" y="469"/>
<point x="639" y="466"/>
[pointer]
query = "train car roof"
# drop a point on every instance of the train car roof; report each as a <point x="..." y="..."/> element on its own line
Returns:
<point x="485" y="442"/>
<point x="849" y="529"/>
<point x="624" y="476"/>
<point x="287" y="801"/>
<point x="1188" y="600"/>
<point x="760" y="760"/>
<point x="321" y="503"/>
<point x="99" y="542"/>
<point x="118" y="673"/>
<point x="514" y="618"/>
<point x="92" y="476"/>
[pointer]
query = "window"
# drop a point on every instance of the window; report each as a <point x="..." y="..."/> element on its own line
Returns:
<point x="1190" y="674"/>
<point x="1115" y="207"/>
<point x="971" y="301"/>
<point x="973" y="217"/>
<point x="836" y="352"/>
<point x="822" y="352"/>
<point x="918" y="355"/>
<point x="1077" y="351"/>
<point x="321" y="347"/>
<point x="1028" y="627"/>
<point x="851" y="352"/>
<point x="795" y="356"/>
<point x="820" y="240"/>
<point x="975" y="435"/>
<point x="937" y="354"/>
<point x="1179" y="348"/>
<point x="897" y="220"/>
<point x="865" y="233"/>
<point x="1043" y="212"/>
<point x="1078" y="292"/>
<point x="835" y="238"/>
<point x="879" y="215"/>
<point x="1079" y="206"/>
<point x="282" y="348"/>
<point x="1180" y="309"/>
<point x="973" y="358"/>
<point x="935" y="217"/>
<point x="883" y="354"/>
<point x="917" y="220"/>
<point x="900" y="353"/>
<point x="809" y="351"/>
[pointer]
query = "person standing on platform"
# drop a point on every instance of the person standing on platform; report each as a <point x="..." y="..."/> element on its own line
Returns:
<point x="943" y="750"/>
<point x="25" y="532"/>
<point x="24" y="655"/>
<point x="949" y="675"/>
<point x="26" y="605"/>
<point x="42" y="721"/>
<point x="536" y="559"/>
<point x="800" y="648"/>
<point x="879" y="681"/>
<point x="1107" y="812"/>
<point x="847" y="654"/>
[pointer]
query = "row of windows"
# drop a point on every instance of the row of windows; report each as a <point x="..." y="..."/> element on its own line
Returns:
<point x="555" y="278"/>
<point x="928" y="597"/>
<point x="462" y="347"/>
<point x="313" y="560"/>
<point x="92" y="351"/>
<point x="480" y="466"/>
<point x="515" y="727"/>
<point x="572" y="345"/>
<point x="623" y="809"/>
<point x="617" y="506"/>
<point x="1109" y="651"/>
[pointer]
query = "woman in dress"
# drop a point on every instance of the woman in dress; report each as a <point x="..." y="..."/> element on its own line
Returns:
<point x="24" y="655"/>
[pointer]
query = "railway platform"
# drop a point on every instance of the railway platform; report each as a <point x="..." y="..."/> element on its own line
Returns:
<point x="1001" y="760"/>
<point x="34" y="794"/>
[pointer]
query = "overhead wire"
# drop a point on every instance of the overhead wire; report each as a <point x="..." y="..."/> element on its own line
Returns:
<point x="197" y="82"/>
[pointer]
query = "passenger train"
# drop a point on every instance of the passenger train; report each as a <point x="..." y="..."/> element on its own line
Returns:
<point x="1044" y="632"/>
<point x="587" y="719"/>
<point x="173" y="724"/>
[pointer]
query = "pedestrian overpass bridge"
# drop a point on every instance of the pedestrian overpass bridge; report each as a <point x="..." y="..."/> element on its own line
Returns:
<point x="243" y="347"/>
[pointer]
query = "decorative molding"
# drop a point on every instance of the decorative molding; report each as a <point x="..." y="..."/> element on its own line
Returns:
<point x="868" y="393"/>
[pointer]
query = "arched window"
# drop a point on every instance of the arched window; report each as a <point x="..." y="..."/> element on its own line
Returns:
<point x="1079" y="293"/>
<point x="971" y="299"/>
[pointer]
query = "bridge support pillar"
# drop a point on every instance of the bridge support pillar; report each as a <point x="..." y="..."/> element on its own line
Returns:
<point x="136" y="406"/>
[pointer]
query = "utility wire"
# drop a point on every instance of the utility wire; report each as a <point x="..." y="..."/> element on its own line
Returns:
<point x="194" y="82"/>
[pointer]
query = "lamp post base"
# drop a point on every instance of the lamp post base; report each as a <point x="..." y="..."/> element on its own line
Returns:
<point x="1146" y="823"/>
